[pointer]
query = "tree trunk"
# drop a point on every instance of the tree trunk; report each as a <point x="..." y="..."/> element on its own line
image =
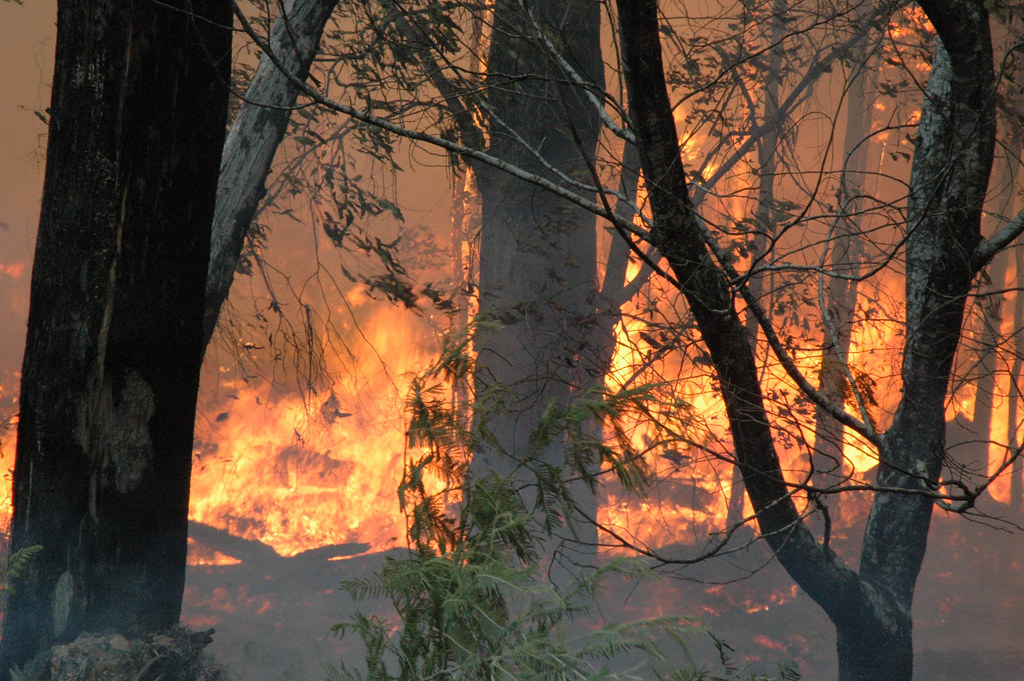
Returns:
<point x="868" y="654"/>
<point x="1013" y="412"/>
<point x="970" y="450"/>
<point x="973" y="456"/>
<point x="765" y="213"/>
<point x="114" y="346"/>
<point x="537" y="252"/>
<point x="846" y="249"/>
<point x="256" y="133"/>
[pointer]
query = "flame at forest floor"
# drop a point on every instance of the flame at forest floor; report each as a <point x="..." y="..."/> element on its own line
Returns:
<point x="291" y="477"/>
<point x="301" y="469"/>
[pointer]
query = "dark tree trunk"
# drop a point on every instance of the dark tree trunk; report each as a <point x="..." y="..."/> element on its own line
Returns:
<point x="953" y="157"/>
<point x="114" y="344"/>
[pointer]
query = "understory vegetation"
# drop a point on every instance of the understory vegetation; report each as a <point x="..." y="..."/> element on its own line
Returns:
<point x="485" y="591"/>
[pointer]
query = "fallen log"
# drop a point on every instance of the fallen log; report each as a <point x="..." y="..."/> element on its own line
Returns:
<point x="255" y="552"/>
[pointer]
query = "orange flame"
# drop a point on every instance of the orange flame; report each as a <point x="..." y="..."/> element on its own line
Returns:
<point x="296" y="473"/>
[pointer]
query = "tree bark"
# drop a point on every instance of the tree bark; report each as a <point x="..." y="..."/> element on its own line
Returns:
<point x="114" y="346"/>
<point x="871" y="611"/>
<point x="255" y="135"/>
<point x="969" y="451"/>
<point x="1014" y="399"/>
<point x="765" y="214"/>
<point x="537" y="252"/>
<point x="973" y="454"/>
<point x="846" y="250"/>
<point x="949" y="179"/>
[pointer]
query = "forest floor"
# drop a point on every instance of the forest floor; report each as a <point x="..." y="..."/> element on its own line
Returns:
<point x="273" y="615"/>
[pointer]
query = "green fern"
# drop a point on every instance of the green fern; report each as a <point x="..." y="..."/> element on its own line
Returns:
<point x="18" y="565"/>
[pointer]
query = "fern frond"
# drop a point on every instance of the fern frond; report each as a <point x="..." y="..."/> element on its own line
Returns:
<point x="18" y="564"/>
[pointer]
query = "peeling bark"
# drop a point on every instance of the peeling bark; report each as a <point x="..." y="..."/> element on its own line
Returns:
<point x="253" y="140"/>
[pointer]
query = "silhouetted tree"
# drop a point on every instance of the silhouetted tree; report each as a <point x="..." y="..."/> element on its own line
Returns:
<point x="944" y="251"/>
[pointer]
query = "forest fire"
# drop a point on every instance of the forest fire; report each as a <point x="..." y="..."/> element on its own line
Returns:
<point x="292" y="478"/>
<point x="794" y="322"/>
<point x="299" y="472"/>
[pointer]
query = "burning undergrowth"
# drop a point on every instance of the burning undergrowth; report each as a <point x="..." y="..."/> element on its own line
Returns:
<point x="293" y="496"/>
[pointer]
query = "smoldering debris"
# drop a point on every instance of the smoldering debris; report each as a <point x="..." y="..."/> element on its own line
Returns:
<point x="173" y="655"/>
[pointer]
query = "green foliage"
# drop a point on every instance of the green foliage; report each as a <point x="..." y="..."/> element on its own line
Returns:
<point x="473" y="606"/>
<point x="469" y="599"/>
<point x="339" y="173"/>
<point x="18" y="565"/>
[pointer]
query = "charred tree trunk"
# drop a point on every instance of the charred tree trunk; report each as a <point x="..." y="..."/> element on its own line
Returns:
<point x="114" y="346"/>
<point x="537" y="252"/>
<point x="871" y="610"/>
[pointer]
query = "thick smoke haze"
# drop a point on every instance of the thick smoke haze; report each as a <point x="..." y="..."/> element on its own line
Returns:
<point x="27" y="36"/>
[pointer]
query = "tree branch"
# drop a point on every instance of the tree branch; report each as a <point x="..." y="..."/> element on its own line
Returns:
<point x="989" y="248"/>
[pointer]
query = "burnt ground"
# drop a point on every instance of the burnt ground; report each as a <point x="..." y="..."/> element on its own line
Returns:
<point x="273" y="614"/>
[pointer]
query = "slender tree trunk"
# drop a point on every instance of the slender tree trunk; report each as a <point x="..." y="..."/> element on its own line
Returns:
<point x="973" y="453"/>
<point x="975" y="457"/>
<point x="1013" y="411"/>
<point x="465" y="223"/>
<point x="846" y="250"/>
<point x="255" y="135"/>
<point x="765" y="219"/>
<point x="466" y="218"/>
<point x="114" y="346"/>
<point x="1016" y="370"/>
<point x="615" y="289"/>
<point x="871" y="611"/>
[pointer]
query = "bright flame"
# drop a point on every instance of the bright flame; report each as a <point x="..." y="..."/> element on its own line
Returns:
<point x="298" y="473"/>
